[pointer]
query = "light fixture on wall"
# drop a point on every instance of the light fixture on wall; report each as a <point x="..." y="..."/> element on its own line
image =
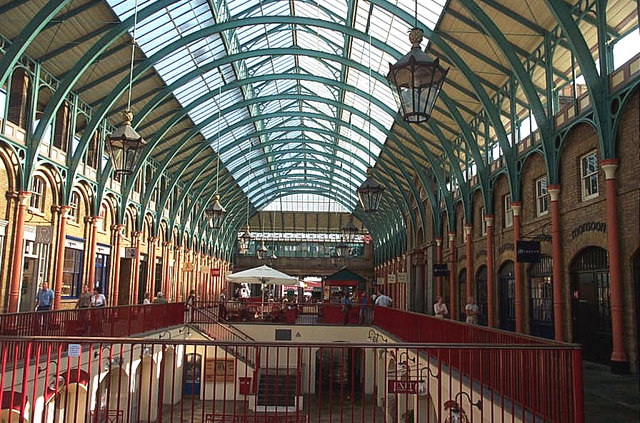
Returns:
<point x="454" y="410"/>
<point x="370" y="192"/>
<point x="416" y="80"/>
<point x="215" y="211"/>
<point x="125" y="145"/>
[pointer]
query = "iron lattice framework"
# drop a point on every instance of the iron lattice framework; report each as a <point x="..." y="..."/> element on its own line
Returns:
<point x="282" y="87"/>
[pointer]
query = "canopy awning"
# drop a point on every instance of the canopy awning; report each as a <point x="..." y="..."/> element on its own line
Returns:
<point x="262" y="274"/>
<point x="343" y="277"/>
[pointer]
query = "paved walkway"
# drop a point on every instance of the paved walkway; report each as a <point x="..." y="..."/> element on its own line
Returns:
<point x="610" y="398"/>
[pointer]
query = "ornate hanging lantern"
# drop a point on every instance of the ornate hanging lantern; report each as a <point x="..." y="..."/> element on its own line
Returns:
<point x="125" y="146"/>
<point x="416" y="81"/>
<point x="215" y="212"/>
<point x="349" y="231"/>
<point x="370" y="193"/>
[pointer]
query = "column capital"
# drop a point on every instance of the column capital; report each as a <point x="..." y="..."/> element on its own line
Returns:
<point x="439" y="242"/>
<point x="467" y="229"/>
<point x="11" y="195"/>
<point x="166" y="244"/>
<point x="609" y="166"/>
<point x="23" y="198"/>
<point x="554" y="192"/>
<point x="517" y="208"/>
<point x="488" y="218"/>
<point x="452" y="236"/>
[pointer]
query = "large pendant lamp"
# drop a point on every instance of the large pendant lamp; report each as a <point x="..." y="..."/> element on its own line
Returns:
<point x="125" y="145"/>
<point x="215" y="211"/>
<point x="370" y="192"/>
<point x="416" y="79"/>
<point x="349" y="231"/>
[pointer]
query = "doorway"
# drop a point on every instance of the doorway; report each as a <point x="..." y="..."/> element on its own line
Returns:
<point x="481" y="295"/>
<point x="507" y="296"/>
<point x="590" y="303"/>
<point x="192" y="374"/>
<point x="541" y="298"/>
<point x="29" y="287"/>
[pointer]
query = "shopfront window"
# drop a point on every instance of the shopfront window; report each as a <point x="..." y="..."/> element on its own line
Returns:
<point x="72" y="273"/>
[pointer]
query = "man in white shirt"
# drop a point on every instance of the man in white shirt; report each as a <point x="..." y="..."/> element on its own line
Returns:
<point x="383" y="300"/>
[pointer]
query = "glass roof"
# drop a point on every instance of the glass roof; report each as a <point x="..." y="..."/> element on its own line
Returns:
<point x="298" y="123"/>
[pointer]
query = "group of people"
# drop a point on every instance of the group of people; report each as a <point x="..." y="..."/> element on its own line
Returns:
<point x="160" y="299"/>
<point x="471" y="310"/>
<point x="86" y="299"/>
<point x="365" y="303"/>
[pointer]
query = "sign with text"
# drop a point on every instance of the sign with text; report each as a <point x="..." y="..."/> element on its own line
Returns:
<point x="401" y="277"/>
<point x="219" y="370"/>
<point x="215" y="272"/>
<point x="74" y="350"/>
<point x="440" y="270"/>
<point x="403" y="386"/>
<point x="391" y="278"/>
<point x="528" y="251"/>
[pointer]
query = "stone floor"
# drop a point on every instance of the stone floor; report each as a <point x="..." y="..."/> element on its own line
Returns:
<point x="610" y="398"/>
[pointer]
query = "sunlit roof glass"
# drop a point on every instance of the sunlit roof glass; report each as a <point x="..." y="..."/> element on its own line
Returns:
<point x="195" y="76"/>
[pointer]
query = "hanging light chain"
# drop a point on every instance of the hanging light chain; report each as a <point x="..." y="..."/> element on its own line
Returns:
<point x="218" y="146"/>
<point x="133" y="52"/>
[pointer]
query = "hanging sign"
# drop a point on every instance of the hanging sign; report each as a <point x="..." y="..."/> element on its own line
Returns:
<point x="130" y="252"/>
<point x="440" y="270"/>
<point x="528" y="251"/>
<point x="401" y="277"/>
<point x="215" y="272"/>
<point x="391" y="278"/>
<point x="403" y="386"/>
<point x="44" y="234"/>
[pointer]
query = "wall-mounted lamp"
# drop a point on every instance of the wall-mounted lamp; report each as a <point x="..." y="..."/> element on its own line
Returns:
<point x="423" y="386"/>
<point x="455" y="411"/>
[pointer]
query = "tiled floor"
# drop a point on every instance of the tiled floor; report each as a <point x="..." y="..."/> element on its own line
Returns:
<point x="610" y="398"/>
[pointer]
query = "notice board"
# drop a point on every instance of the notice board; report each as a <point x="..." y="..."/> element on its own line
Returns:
<point x="219" y="370"/>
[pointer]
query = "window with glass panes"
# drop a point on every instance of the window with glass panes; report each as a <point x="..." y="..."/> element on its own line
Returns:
<point x="589" y="175"/>
<point x="36" y="201"/>
<point x="508" y="211"/>
<point x="483" y="220"/>
<point x="74" y="203"/>
<point x="542" y="197"/>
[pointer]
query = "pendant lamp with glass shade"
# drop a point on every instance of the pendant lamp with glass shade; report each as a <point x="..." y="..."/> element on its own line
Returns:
<point x="125" y="145"/>
<point x="246" y="237"/>
<point x="370" y="192"/>
<point x="215" y="212"/>
<point x="416" y="79"/>
<point x="349" y="231"/>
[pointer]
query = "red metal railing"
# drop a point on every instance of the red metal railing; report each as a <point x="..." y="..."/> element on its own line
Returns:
<point x="521" y="382"/>
<point x="181" y="379"/>
<point x="101" y="321"/>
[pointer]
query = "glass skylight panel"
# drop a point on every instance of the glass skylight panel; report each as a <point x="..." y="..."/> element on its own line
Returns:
<point x="240" y="6"/>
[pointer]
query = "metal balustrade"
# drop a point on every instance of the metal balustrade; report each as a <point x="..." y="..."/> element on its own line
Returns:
<point x="413" y="369"/>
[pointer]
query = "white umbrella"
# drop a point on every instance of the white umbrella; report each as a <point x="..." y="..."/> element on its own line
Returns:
<point x="262" y="275"/>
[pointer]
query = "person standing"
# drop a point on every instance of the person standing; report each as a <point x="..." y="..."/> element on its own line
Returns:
<point x="98" y="299"/>
<point x="363" y="300"/>
<point x="84" y="300"/>
<point x="383" y="300"/>
<point x="160" y="299"/>
<point x="346" y="307"/>
<point x="147" y="299"/>
<point x="44" y="299"/>
<point x="440" y="308"/>
<point x="471" y="310"/>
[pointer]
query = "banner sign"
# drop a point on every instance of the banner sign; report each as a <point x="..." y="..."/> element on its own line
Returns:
<point x="528" y="251"/>
<point x="403" y="386"/>
<point x="440" y="270"/>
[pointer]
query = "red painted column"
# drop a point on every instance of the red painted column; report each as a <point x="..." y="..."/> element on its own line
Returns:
<point x="166" y="248"/>
<point x="151" y="267"/>
<point x="556" y="242"/>
<point x="18" y="250"/>
<point x="133" y="295"/>
<point x="178" y="273"/>
<point x="490" y="283"/>
<point x="115" y="254"/>
<point x="439" y="261"/>
<point x="452" y="275"/>
<point x="619" y="360"/>
<point x="62" y="229"/>
<point x="517" y="211"/>
<point x="93" y="230"/>
<point x="468" y="235"/>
